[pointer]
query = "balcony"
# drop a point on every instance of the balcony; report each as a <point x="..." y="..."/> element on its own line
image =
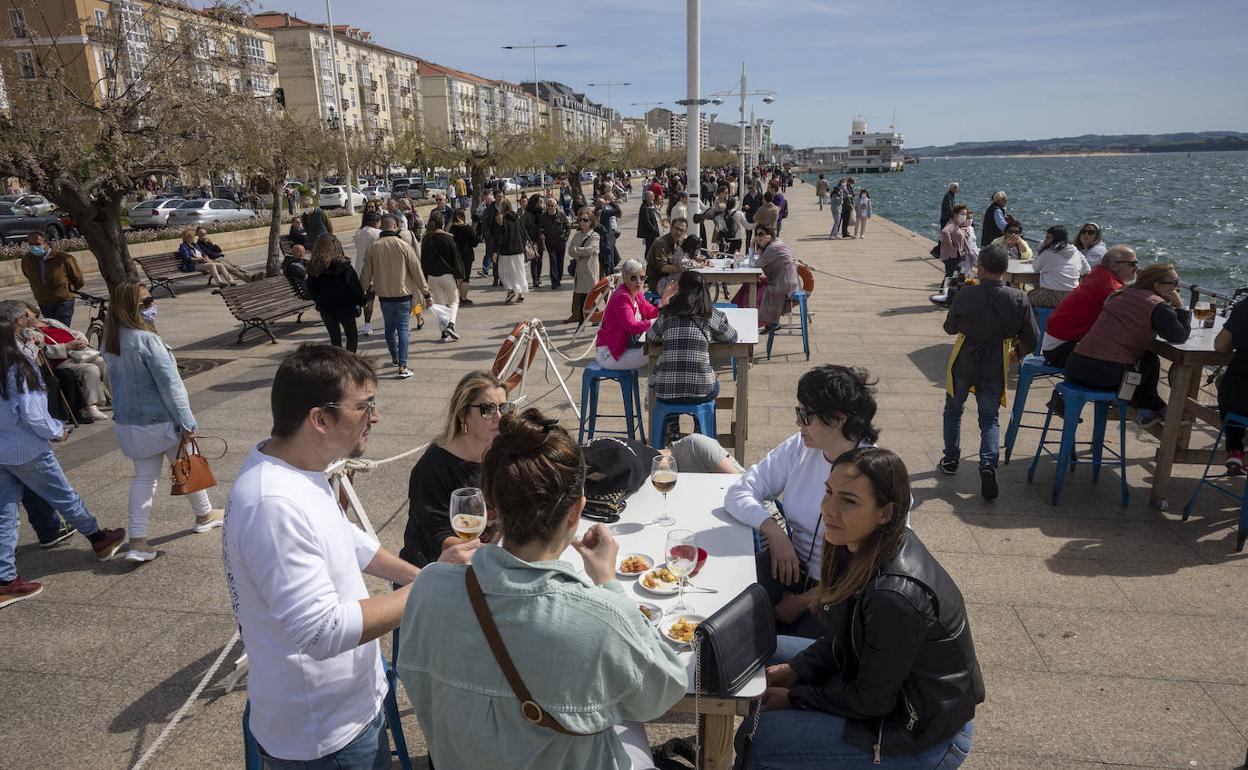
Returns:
<point x="405" y="91"/>
<point x="342" y="78"/>
<point x="373" y="83"/>
<point x="376" y="108"/>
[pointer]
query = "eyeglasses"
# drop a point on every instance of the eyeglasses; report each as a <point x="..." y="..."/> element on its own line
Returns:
<point x="1131" y="262"/>
<point x="584" y="219"/>
<point x="490" y="411"/>
<point x="803" y="415"/>
<point x="368" y="406"/>
<point x="637" y="277"/>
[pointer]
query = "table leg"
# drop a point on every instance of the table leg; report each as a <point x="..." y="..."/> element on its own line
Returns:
<point x="1180" y="380"/>
<point x="717" y="733"/>
<point x="742" y="413"/>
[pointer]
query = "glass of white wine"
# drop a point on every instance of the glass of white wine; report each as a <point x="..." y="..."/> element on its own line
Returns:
<point x="663" y="477"/>
<point x="467" y="512"/>
<point x="682" y="555"/>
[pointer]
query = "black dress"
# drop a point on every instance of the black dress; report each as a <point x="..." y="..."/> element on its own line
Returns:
<point x="437" y="474"/>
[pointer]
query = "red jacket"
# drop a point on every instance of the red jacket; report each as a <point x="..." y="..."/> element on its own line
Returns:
<point x="1075" y="315"/>
<point x="619" y="321"/>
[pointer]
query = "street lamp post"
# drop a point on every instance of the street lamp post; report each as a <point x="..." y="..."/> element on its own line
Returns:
<point x="693" y="76"/>
<point x="743" y="92"/>
<point x="333" y="63"/>
<point x="533" y="46"/>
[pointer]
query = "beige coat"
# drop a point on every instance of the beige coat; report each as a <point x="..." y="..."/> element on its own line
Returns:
<point x="392" y="269"/>
<point x="767" y="214"/>
<point x="583" y="247"/>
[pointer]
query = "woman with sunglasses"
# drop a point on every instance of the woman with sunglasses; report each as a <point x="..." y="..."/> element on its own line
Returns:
<point x="452" y="461"/>
<point x="583" y="253"/>
<point x="627" y="317"/>
<point x="1013" y="241"/>
<point x="151" y="410"/>
<point x="1089" y="243"/>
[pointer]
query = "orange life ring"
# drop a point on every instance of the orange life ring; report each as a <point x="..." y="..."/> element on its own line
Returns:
<point x="504" y="353"/>
<point x="588" y="308"/>
<point x="807" y="277"/>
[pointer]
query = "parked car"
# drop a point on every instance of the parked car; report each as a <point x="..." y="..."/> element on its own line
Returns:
<point x="335" y="197"/>
<point x="377" y="192"/>
<point x="411" y="187"/>
<point x="36" y="203"/>
<point x="208" y="211"/>
<point x="16" y="222"/>
<point x="509" y="184"/>
<point x="153" y="212"/>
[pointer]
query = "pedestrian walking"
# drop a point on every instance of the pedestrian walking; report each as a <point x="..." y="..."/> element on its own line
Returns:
<point x="54" y="276"/>
<point x="466" y="242"/>
<point x="364" y="238"/>
<point x="554" y="227"/>
<point x="649" y="221"/>
<point x="821" y="191"/>
<point x="335" y="287"/>
<point x="836" y="202"/>
<point x="392" y="270"/>
<point x="509" y="245"/>
<point x="863" y="214"/>
<point x="315" y="222"/>
<point x="439" y="258"/>
<point x="530" y="220"/>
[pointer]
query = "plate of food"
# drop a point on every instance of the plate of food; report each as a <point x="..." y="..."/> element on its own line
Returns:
<point x="633" y="564"/>
<point x="659" y="580"/>
<point x="651" y="611"/>
<point x="680" y="628"/>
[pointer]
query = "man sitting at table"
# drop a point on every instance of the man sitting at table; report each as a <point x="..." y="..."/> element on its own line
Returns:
<point x="663" y="257"/>
<point x="1075" y="315"/>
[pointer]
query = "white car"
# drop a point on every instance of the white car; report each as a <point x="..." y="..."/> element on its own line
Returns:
<point x="38" y="204"/>
<point x="335" y="197"/>
<point x="153" y="213"/>
<point x="377" y="192"/>
<point x="207" y="211"/>
<point x="510" y="184"/>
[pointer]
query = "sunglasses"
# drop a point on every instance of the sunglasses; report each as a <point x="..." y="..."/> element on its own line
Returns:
<point x="1131" y="262"/>
<point x="1089" y="232"/>
<point x="148" y="301"/>
<point x="803" y="415"/>
<point x="490" y="411"/>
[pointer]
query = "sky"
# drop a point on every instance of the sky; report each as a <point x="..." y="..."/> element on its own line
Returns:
<point x="1005" y="70"/>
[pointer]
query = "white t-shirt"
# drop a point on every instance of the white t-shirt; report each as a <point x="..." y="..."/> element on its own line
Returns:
<point x="1061" y="270"/>
<point x="293" y="566"/>
<point x="364" y="237"/>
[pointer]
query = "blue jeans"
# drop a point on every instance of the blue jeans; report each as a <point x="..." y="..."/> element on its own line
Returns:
<point x="44" y="477"/>
<point x="395" y="314"/>
<point x="59" y="311"/>
<point x="794" y="739"/>
<point x="42" y="517"/>
<point x="989" y="405"/>
<point x="370" y="750"/>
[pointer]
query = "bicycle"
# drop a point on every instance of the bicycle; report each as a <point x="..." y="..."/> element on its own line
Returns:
<point x="95" y="328"/>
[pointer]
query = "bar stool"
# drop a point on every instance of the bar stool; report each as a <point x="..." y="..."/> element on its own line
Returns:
<point x="1032" y="367"/>
<point x="662" y="411"/>
<point x="1232" y="418"/>
<point x="1075" y="397"/>
<point x="799" y="297"/>
<point x="721" y="306"/>
<point x="630" y="391"/>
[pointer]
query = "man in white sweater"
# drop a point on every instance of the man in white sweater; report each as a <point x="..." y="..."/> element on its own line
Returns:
<point x="295" y="565"/>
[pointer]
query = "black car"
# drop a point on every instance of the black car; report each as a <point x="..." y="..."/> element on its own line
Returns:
<point x="16" y="222"/>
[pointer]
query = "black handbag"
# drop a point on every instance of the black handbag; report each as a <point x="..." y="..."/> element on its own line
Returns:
<point x="734" y="643"/>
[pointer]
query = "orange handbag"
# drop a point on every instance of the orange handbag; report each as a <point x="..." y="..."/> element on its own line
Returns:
<point x="190" y="470"/>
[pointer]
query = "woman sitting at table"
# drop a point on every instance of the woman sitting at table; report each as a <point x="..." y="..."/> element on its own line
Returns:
<point x="779" y="274"/>
<point x="893" y="681"/>
<point x="451" y="462"/>
<point x="627" y="317"/>
<point x="1089" y="243"/>
<point x="686" y="327"/>
<point x="1131" y="319"/>
<point x="1233" y="386"/>
<point x="593" y="664"/>
<point x="1013" y="241"/>
<point x="1059" y="266"/>
<point x="835" y="407"/>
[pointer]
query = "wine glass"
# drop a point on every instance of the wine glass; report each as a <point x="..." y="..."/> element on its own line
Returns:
<point x="467" y="513"/>
<point x="682" y="556"/>
<point x="663" y="477"/>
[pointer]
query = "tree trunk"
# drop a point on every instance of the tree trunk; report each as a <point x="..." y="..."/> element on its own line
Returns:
<point x="273" y="264"/>
<point x="578" y="194"/>
<point x="100" y="225"/>
<point x="477" y="174"/>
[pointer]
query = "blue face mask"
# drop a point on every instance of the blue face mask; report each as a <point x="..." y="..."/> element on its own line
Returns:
<point x="149" y="314"/>
<point x="37" y="251"/>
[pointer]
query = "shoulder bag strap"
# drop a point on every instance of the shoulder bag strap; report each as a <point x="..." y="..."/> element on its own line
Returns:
<point x="533" y="713"/>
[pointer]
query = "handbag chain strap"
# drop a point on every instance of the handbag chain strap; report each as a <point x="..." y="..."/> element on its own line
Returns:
<point x="757" y="708"/>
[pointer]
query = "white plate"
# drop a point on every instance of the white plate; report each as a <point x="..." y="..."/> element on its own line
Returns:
<point x="665" y="626"/>
<point x="661" y="588"/>
<point x="630" y="575"/>
<point x="656" y="612"/>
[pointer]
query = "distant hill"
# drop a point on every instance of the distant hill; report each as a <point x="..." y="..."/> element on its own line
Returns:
<point x="1202" y="141"/>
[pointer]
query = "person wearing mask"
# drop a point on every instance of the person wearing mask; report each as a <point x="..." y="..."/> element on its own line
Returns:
<point x="627" y="317"/>
<point x="509" y="248"/>
<point x="780" y="271"/>
<point x="364" y="238"/>
<point x="1089" y="243"/>
<point x="946" y="204"/>
<point x="392" y="271"/>
<point x="466" y="243"/>
<point x="79" y="370"/>
<point x="1015" y="244"/>
<point x="957" y="243"/>
<point x="583" y="255"/>
<point x="836" y="406"/>
<point x="298" y="236"/>
<point x="847" y="206"/>
<point x="986" y="317"/>
<point x="295" y="268"/>
<point x="686" y="327"/>
<point x="553" y="227"/>
<point x="1233" y="385"/>
<point x="531" y="223"/>
<point x="439" y="258"/>
<point x="649" y="221"/>
<point x="613" y="673"/>
<point x="1075" y="315"/>
<point x="863" y="214"/>
<point x="663" y="259"/>
<point x="151" y="410"/>
<point x="452" y="461"/>
<point x="835" y="200"/>
<point x="1059" y="266"/>
<point x="54" y="276"/>
<point x="295" y="566"/>
<point x="893" y="679"/>
<point x="193" y="260"/>
<point x="994" y="219"/>
<point x="315" y="222"/>
<point x="1119" y="339"/>
<point x="214" y="252"/>
<point x="335" y="288"/>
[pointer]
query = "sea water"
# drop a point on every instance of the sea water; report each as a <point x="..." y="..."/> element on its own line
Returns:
<point x="1191" y="210"/>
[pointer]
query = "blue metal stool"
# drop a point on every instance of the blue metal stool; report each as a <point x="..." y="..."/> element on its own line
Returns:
<point x="1075" y="397"/>
<point x="1232" y="418"/>
<point x="799" y="297"/>
<point x="630" y="391"/>
<point x="1033" y="366"/>
<point x="703" y="417"/>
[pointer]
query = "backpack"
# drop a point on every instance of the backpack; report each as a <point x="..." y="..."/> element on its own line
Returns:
<point x="730" y="225"/>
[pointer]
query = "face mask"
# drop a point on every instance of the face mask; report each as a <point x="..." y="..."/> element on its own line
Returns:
<point x="37" y="251"/>
<point x="148" y="314"/>
<point x="961" y="219"/>
<point x="32" y="335"/>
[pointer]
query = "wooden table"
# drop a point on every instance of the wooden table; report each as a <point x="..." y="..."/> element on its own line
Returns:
<point x="697" y="504"/>
<point x="745" y="321"/>
<point x="1187" y="361"/>
<point x="1022" y="275"/>
<point x="747" y="276"/>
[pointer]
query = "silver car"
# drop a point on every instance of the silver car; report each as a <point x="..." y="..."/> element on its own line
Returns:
<point x="36" y="203"/>
<point x="153" y="213"/>
<point x="208" y="211"/>
<point x="376" y="192"/>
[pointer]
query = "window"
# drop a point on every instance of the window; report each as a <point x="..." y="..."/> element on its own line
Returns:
<point x="231" y="45"/>
<point x="261" y="85"/>
<point x="17" y="20"/>
<point x="171" y="34"/>
<point x="101" y="18"/>
<point x="253" y="47"/>
<point x="26" y="64"/>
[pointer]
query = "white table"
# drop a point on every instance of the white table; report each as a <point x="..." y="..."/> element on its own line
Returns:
<point x="747" y="276"/>
<point x="744" y="320"/>
<point x="1022" y="275"/>
<point x="697" y="505"/>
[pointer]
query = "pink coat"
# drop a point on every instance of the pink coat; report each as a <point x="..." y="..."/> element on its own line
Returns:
<point x="619" y="320"/>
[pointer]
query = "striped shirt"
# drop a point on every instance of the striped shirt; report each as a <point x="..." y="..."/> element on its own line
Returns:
<point x="25" y="425"/>
<point x="684" y="367"/>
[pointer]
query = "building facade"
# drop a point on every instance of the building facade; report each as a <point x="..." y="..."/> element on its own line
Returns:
<point x="572" y="115"/>
<point x="871" y="153"/>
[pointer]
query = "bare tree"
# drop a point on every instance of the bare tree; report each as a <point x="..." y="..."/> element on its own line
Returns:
<point x="477" y="154"/>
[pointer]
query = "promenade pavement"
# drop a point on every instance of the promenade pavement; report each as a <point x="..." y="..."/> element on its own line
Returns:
<point x="1108" y="636"/>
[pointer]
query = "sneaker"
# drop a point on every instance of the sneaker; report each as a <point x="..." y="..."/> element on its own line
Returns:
<point x="1235" y="461"/>
<point x="445" y="336"/>
<point x="367" y="330"/>
<point x="141" y="557"/>
<point x="17" y="590"/>
<point x="1147" y="418"/>
<point x="988" y="482"/>
<point x="450" y="332"/>
<point x="520" y="298"/>
<point x="465" y="302"/>
<point x="106" y="547"/>
<point x="948" y="467"/>
<point x="94" y="412"/>
<point x="511" y="296"/>
<point x="404" y="373"/>
<point x="216" y="518"/>
<point x="64" y="533"/>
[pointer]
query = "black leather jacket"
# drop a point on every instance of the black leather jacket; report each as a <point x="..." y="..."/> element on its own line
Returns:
<point x="898" y="661"/>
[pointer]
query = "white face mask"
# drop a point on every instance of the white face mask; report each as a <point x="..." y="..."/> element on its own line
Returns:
<point x="961" y="219"/>
<point x="148" y="314"/>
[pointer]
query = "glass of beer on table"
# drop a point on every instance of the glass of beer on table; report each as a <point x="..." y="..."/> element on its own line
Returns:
<point x="467" y="512"/>
<point x="1203" y="312"/>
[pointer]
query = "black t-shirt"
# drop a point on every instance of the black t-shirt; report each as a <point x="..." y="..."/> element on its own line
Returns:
<point x="1237" y="325"/>
<point x="437" y="474"/>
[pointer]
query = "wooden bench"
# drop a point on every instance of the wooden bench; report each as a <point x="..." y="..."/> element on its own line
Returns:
<point x="261" y="302"/>
<point x="284" y="245"/>
<point x="163" y="269"/>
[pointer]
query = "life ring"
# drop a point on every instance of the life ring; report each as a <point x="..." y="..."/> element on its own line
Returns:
<point x="591" y="309"/>
<point x="807" y="277"/>
<point x="504" y="353"/>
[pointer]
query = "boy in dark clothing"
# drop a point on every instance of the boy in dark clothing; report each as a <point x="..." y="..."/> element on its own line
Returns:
<point x="986" y="317"/>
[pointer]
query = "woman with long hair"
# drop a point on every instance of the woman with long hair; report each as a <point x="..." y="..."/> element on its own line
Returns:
<point x="593" y="664"/>
<point x="685" y="327"/>
<point x="335" y="288"/>
<point x="1089" y="243"/>
<point x="151" y="410"/>
<point x="894" y="680"/>
<point x="194" y="259"/>
<point x="778" y="266"/>
<point x="583" y="253"/>
<point x="628" y="315"/>
<point x="531" y="221"/>
<point x="439" y="258"/>
<point x="1059" y="266"/>
<point x="452" y="461"/>
<point x="509" y="246"/>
